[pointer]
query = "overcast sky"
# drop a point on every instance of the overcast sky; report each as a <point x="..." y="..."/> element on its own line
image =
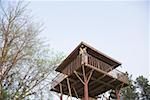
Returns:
<point x="116" y="28"/>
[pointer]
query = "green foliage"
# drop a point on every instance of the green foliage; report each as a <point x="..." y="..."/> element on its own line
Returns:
<point x="5" y="95"/>
<point x="144" y="87"/>
<point x="129" y="92"/>
<point x="137" y="90"/>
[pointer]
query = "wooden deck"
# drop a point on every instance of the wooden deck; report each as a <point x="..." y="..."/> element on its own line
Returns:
<point x="99" y="83"/>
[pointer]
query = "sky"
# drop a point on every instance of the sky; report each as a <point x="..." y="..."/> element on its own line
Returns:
<point x="116" y="28"/>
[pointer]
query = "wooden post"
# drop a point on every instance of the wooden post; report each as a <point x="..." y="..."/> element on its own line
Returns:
<point x="61" y="98"/>
<point x="118" y="94"/>
<point x="86" y="94"/>
<point x="69" y="88"/>
<point x="61" y="95"/>
<point x="118" y="91"/>
<point x="75" y="92"/>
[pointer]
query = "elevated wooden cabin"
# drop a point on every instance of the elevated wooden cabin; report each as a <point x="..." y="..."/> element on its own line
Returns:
<point x="89" y="73"/>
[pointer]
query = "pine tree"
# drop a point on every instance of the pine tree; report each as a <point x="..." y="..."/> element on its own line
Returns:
<point x="129" y="92"/>
<point x="144" y="87"/>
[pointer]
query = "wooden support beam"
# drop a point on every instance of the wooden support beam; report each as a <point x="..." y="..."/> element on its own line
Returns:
<point x="61" y="88"/>
<point x="86" y="76"/>
<point x="75" y="92"/>
<point x="105" y="83"/>
<point x="97" y="80"/>
<point x="96" y="69"/>
<point x="90" y="75"/>
<point x="78" y="73"/>
<point x="86" y="93"/>
<point x="78" y="77"/>
<point x="101" y="86"/>
<point x="117" y="90"/>
<point x="120" y="86"/>
<point x="75" y="81"/>
<point x="81" y="74"/>
<point x="101" y="71"/>
<point x="69" y="88"/>
<point x="83" y="70"/>
<point x="80" y="80"/>
<point x="117" y="94"/>
<point x="102" y="82"/>
<point x="92" y="83"/>
<point x="61" y="92"/>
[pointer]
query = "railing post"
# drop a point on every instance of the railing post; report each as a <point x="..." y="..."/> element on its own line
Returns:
<point x="84" y="56"/>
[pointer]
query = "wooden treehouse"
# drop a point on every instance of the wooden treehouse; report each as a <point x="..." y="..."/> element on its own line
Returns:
<point x="87" y="73"/>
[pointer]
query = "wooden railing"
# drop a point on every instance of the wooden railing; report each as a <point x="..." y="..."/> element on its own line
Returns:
<point x="57" y="80"/>
<point x="69" y="69"/>
<point x="75" y="64"/>
<point x="107" y="68"/>
<point x="119" y="75"/>
<point x="99" y="64"/>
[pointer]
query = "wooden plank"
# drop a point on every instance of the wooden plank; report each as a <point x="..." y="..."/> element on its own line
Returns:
<point x="69" y="88"/>
<point x="99" y="87"/>
<point x="104" y="83"/>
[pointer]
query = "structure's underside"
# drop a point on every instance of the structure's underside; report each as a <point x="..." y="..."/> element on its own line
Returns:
<point x="99" y="83"/>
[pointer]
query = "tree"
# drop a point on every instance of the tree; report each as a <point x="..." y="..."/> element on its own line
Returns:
<point x="25" y="62"/>
<point x="129" y="92"/>
<point x="144" y="87"/>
